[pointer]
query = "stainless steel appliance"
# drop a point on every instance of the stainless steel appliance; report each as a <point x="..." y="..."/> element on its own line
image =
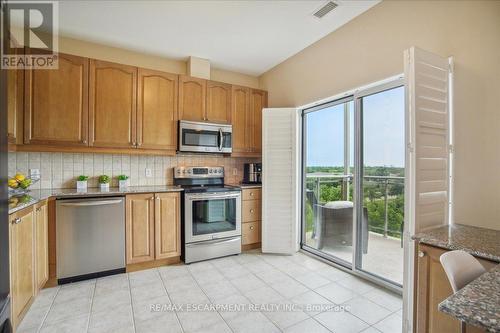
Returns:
<point x="252" y="173"/>
<point x="205" y="137"/>
<point x="212" y="214"/>
<point x="90" y="239"/>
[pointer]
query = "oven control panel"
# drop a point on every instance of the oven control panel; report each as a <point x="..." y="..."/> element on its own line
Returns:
<point x="198" y="172"/>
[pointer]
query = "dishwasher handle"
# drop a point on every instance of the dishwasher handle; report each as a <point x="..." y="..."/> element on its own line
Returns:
<point x="91" y="203"/>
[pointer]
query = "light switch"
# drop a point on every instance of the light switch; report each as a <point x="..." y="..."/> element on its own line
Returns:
<point x="34" y="173"/>
<point x="148" y="172"/>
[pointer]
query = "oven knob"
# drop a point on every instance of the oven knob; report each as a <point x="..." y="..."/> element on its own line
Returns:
<point x="210" y="171"/>
<point x="189" y="171"/>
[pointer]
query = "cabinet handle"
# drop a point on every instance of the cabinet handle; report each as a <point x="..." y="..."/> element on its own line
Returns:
<point x="158" y="198"/>
<point x="134" y="144"/>
<point x="251" y="227"/>
<point x="421" y="254"/>
<point x="38" y="209"/>
<point x="139" y="143"/>
<point x="251" y="194"/>
<point x="152" y="198"/>
<point x="84" y="141"/>
<point x="17" y="220"/>
<point x="251" y="211"/>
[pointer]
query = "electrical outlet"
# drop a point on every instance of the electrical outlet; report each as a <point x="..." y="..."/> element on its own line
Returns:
<point x="34" y="173"/>
<point x="235" y="171"/>
<point x="148" y="172"/>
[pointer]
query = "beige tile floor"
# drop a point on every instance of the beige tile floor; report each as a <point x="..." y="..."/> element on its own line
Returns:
<point x="122" y="303"/>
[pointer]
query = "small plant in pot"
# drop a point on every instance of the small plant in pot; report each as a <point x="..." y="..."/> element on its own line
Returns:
<point x="122" y="181"/>
<point x="81" y="182"/>
<point x="104" y="182"/>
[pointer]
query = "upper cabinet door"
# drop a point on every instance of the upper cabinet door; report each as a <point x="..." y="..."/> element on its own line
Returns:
<point x="56" y="103"/>
<point x="240" y="118"/>
<point x="15" y="81"/>
<point x="192" y="98"/>
<point x="258" y="101"/>
<point x="218" y="102"/>
<point x="156" y="110"/>
<point x="112" y="109"/>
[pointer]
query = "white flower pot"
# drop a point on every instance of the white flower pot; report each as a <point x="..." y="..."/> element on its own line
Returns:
<point x="123" y="183"/>
<point x="81" y="185"/>
<point x="104" y="187"/>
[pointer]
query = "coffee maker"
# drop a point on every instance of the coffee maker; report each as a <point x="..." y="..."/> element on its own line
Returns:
<point x="252" y="173"/>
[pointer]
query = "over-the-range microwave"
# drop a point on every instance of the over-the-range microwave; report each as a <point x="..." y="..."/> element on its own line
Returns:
<point x="205" y="137"/>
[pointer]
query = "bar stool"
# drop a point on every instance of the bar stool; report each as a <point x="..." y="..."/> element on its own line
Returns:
<point x="460" y="268"/>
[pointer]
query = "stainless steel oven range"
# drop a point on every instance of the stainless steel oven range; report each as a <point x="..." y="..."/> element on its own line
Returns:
<point x="212" y="214"/>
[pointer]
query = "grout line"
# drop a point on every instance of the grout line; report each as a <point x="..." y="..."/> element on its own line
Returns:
<point x="50" y="307"/>
<point x="131" y="302"/>
<point x="168" y="295"/>
<point x="91" y="304"/>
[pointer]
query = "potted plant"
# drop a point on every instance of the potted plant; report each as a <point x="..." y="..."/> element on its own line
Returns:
<point x="81" y="182"/>
<point x="122" y="181"/>
<point x="104" y="182"/>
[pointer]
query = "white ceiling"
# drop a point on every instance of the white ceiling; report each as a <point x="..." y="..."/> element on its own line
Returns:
<point x="245" y="36"/>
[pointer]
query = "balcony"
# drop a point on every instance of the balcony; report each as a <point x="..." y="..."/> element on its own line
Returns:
<point x="383" y="202"/>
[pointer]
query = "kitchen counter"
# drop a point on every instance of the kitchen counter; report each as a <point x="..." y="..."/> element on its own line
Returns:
<point x="480" y="242"/>
<point x="19" y="202"/>
<point x="244" y="186"/>
<point x="478" y="303"/>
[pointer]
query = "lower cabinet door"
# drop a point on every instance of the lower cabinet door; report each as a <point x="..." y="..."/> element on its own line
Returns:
<point x="139" y="229"/>
<point x="167" y="225"/>
<point x="250" y="232"/>
<point x="22" y="259"/>
<point x="42" y="245"/>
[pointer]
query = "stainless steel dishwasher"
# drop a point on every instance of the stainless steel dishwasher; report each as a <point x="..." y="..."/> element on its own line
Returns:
<point x="90" y="235"/>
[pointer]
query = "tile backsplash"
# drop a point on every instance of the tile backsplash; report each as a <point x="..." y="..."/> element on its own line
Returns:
<point x="59" y="170"/>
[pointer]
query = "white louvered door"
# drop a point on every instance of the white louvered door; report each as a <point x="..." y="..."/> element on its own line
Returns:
<point x="280" y="148"/>
<point x="428" y="84"/>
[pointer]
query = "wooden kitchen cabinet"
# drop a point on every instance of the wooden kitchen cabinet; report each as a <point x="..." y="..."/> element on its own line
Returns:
<point x="152" y="227"/>
<point x="15" y="103"/>
<point x="157" y="110"/>
<point x="56" y="104"/>
<point x="240" y="119"/>
<point x="112" y="105"/>
<point x="251" y="218"/>
<point x="22" y="261"/>
<point x="192" y="98"/>
<point x="41" y="245"/>
<point x="258" y="101"/>
<point x="139" y="227"/>
<point x="167" y="225"/>
<point x="218" y="102"/>
<point x="432" y="288"/>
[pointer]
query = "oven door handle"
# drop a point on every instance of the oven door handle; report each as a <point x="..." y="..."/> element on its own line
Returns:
<point x="221" y="139"/>
<point x="215" y="241"/>
<point x="207" y="197"/>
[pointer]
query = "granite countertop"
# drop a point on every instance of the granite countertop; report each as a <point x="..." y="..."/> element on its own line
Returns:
<point x="478" y="303"/>
<point x="480" y="242"/>
<point x="19" y="202"/>
<point x="240" y="185"/>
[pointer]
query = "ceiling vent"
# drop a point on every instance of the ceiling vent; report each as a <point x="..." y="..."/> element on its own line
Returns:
<point x="325" y="9"/>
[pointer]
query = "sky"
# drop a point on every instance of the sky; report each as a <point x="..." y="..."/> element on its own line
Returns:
<point x="383" y="132"/>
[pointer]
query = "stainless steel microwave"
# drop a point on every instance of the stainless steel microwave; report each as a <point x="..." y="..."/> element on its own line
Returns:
<point x="205" y="137"/>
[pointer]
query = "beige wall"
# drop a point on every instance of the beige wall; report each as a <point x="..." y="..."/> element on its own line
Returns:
<point x="370" y="48"/>
<point x="102" y="52"/>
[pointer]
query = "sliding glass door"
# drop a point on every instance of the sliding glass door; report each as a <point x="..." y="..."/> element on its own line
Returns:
<point x="382" y="160"/>
<point x="353" y="182"/>
<point x="328" y="187"/>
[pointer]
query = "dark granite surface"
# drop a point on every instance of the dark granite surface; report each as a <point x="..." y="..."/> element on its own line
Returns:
<point x="22" y="201"/>
<point x="478" y="303"/>
<point x="480" y="242"/>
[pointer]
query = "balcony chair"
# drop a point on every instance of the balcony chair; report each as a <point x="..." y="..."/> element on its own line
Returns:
<point x="333" y="223"/>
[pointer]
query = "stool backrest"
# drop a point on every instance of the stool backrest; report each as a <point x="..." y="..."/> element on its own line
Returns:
<point x="461" y="268"/>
